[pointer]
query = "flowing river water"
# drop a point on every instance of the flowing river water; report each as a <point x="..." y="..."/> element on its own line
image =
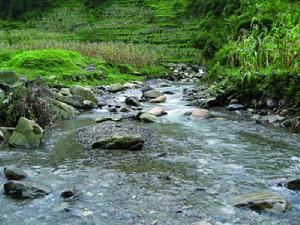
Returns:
<point x="205" y="164"/>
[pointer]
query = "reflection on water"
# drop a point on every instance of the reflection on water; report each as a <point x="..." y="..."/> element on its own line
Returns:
<point x="205" y="163"/>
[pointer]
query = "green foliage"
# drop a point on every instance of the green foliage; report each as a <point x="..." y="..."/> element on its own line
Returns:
<point x="60" y="67"/>
<point x="16" y="8"/>
<point x="240" y="41"/>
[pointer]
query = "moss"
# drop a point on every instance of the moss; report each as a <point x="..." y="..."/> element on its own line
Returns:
<point x="64" y="68"/>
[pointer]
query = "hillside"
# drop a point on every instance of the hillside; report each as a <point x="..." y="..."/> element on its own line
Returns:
<point x="238" y="41"/>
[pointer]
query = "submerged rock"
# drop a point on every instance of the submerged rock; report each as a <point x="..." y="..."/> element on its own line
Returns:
<point x="27" y="134"/>
<point x="24" y="190"/>
<point x="12" y="173"/>
<point x="84" y="93"/>
<point x="126" y="142"/>
<point x="262" y="201"/>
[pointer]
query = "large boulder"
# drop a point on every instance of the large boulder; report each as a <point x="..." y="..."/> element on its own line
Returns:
<point x="12" y="173"/>
<point x="132" y="101"/>
<point x="24" y="190"/>
<point x="61" y="110"/>
<point x="160" y="99"/>
<point x="259" y="201"/>
<point x="125" y="142"/>
<point x="152" y="94"/>
<point x="84" y="93"/>
<point x="77" y="102"/>
<point x="27" y="134"/>
<point x="9" y="79"/>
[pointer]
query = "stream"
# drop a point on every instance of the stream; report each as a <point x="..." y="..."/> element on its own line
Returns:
<point x="205" y="164"/>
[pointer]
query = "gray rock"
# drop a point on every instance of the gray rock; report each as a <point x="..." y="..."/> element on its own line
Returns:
<point x="27" y="134"/>
<point x="61" y="109"/>
<point x="262" y="201"/>
<point x="133" y="101"/>
<point x="12" y="173"/>
<point x="157" y="111"/>
<point x="152" y="94"/>
<point x="77" y="102"/>
<point x="147" y="118"/>
<point x="147" y="88"/>
<point x="126" y="142"/>
<point x="159" y="99"/>
<point x="201" y="114"/>
<point x="116" y="88"/>
<point x="103" y="118"/>
<point x="84" y="93"/>
<point x="24" y="190"/>
<point x="272" y="118"/>
<point x="271" y="104"/>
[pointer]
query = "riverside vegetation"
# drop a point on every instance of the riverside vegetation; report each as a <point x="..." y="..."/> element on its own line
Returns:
<point x="125" y="63"/>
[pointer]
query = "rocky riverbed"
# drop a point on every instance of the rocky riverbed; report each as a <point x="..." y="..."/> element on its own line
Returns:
<point x="175" y="163"/>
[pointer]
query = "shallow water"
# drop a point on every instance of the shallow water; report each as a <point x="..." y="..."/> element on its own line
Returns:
<point x="208" y="162"/>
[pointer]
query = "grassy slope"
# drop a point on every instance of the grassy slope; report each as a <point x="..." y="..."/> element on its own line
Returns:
<point x="238" y="44"/>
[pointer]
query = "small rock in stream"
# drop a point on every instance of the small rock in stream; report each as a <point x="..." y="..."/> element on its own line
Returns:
<point x="259" y="201"/>
<point x="24" y="190"/>
<point x="12" y="173"/>
<point x="152" y="94"/>
<point x="160" y="99"/>
<point x="157" y="111"/>
<point x="294" y="185"/>
<point x="147" y="118"/>
<point x="69" y="193"/>
<point x="104" y="118"/>
<point x="132" y="101"/>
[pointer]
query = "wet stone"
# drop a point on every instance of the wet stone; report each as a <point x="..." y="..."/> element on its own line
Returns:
<point x="24" y="190"/>
<point x="12" y="173"/>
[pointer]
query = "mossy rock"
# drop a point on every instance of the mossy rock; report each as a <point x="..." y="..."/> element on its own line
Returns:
<point x="9" y="79"/>
<point x="61" y="110"/>
<point x="27" y="134"/>
<point x="259" y="201"/>
<point x="127" y="142"/>
<point x="84" y="93"/>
